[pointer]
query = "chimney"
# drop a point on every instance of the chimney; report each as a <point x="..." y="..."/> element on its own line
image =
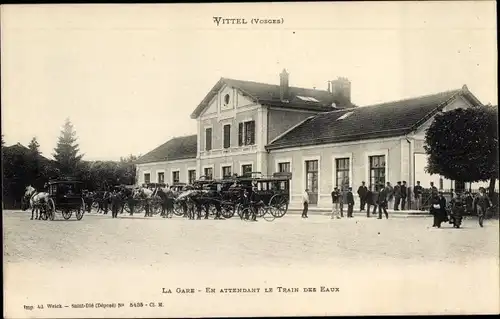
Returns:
<point x="284" y="88"/>
<point x="341" y="91"/>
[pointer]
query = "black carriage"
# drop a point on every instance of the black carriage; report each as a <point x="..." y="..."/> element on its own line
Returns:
<point x="65" y="196"/>
<point x="273" y="193"/>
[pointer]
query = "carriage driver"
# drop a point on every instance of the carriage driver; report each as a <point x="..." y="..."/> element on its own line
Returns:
<point x="255" y="203"/>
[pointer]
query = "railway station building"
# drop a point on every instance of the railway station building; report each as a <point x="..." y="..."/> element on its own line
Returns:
<point x="320" y="136"/>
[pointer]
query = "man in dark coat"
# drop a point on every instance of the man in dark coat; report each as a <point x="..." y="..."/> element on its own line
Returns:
<point x="397" y="196"/>
<point x="116" y="201"/>
<point x="371" y="200"/>
<point x="362" y="191"/>
<point x="438" y="209"/>
<point x="350" y="202"/>
<point x="404" y="193"/>
<point x="382" y="202"/>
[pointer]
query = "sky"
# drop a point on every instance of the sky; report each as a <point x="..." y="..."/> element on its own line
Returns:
<point x="129" y="76"/>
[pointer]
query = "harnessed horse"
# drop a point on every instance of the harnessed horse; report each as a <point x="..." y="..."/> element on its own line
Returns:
<point x="34" y="200"/>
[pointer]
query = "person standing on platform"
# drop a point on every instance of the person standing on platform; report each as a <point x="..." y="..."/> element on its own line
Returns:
<point x="382" y="202"/>
<point x="371" y="200"/>
<point x="350" y="202"/>
<point x="404" y="195"/>
<point x="390" y="194"/>
<point x="305" y="202"/>
<point x="362" y="191"/>
<point x="397" y="196"/>
<point x="417" y="193"/>
<point x="335" y="203"/>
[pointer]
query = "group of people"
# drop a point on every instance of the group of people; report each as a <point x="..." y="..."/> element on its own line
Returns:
<point x="378" y="197"/>
<point x="460" y="204"/>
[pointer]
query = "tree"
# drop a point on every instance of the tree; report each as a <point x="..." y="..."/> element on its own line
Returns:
<point x="462" y="145"/>
<point x="66" y="151"/>
<point x="34" y="146"/>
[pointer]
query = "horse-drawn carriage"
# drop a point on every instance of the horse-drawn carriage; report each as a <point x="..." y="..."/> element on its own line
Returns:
<point x="272" y="195"/>
<point x="65" y="196"/>
<point x="226" y="195"/>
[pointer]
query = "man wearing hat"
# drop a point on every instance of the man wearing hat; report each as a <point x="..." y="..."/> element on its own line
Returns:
<point x="362" y="192"/>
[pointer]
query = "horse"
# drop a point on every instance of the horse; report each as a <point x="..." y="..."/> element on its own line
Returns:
<point x="34" y="200"/>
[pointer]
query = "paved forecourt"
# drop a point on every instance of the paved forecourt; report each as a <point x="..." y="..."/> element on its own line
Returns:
<point x="368" y="259"/>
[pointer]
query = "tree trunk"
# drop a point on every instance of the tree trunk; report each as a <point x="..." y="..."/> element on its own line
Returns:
<point x="491" y="188"/>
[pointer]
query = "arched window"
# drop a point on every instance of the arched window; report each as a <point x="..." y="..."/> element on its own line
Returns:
<point x="226" y="99"/>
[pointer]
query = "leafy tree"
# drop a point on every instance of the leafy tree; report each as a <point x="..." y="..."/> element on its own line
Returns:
<point x="66" y="151"/>
<point x="462" y="145"/>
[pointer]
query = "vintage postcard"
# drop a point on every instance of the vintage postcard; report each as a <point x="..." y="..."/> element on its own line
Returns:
<point x="253" y="159"/>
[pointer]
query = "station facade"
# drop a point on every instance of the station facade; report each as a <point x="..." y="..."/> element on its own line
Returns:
<point x="319" y="136"/>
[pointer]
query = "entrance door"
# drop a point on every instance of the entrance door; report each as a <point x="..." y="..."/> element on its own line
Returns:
<point x="312" y="181"/>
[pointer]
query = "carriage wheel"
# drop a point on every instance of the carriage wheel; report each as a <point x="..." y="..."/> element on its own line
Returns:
<point x="278" y="206"/>
<point x="178" y="211"/>
<point x="51" y="209"/>
<point x="80" y="211"/>
<point x="139" y="207"/>
<point x="228" y="210"/>
<point x="67" y="214"/>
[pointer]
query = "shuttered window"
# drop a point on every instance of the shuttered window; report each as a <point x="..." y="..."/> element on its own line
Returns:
<point x="227" y="136"/>
<point x="208" y="139"/>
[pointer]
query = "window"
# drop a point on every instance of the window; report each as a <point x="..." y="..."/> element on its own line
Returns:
<point x="226" y="99"/>
<point x="226" y="171"/>
<point x="345" y="116"/>
<point x="208" y="172"/>
<point x="284" y="167"/>
<point x="161" y="177"/>
<point x="312" y="180"/>
<point x="191" y="176"/>
<point x="147" y="178"/>
<point x="246" y="133"/>
<point x="175" y="177"/>
<point x="208" y="139"/>
<point x="227" y="136"/>
<point x="246" y="169"/>
<point x="377" y="171"/>
<point x="342" y="171"/>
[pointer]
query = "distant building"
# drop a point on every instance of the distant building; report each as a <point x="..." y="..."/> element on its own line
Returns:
<point x="318" y="135"/>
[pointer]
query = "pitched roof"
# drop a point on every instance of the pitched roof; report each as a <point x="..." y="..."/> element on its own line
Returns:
<point x="269" y="94"/>
<point x="375" y="121"/>
<point x="178" y="148"/>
